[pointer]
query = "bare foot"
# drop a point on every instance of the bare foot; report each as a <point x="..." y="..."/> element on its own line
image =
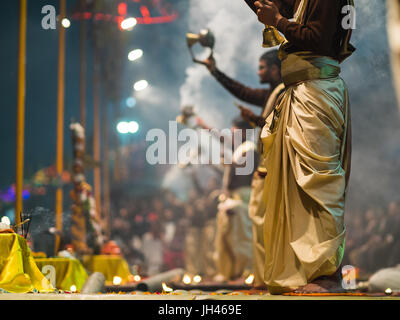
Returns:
<point x="325" y="284"/>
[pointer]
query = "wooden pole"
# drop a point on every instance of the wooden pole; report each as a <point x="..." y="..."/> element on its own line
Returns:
<point x="96" y="132"/>
<point x="20" y="111"/>
<point x="106" y="171"/>
<point x="60" y="121"/>
<point x="82" y="63"/>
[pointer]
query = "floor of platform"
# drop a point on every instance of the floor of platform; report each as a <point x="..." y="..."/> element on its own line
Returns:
<point x="143" y="296"/>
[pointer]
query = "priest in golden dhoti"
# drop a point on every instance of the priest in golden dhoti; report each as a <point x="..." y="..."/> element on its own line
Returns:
<point x="306" y="146"/>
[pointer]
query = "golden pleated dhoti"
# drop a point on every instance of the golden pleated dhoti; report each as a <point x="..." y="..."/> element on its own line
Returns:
<point x="234" y="237"/>
<point x="256" y="214"/>
<point x="307" y="151"/>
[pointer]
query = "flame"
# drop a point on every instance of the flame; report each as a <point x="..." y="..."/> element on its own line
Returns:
<point x="186" y="279"/>
<point x="196" y="279"/>
<point x="73" y="288"/>
<point x="249" y="279"/>
<point x="166" y="288"/>
<point x="137" y="278"/>
<point x="117" y="280"/>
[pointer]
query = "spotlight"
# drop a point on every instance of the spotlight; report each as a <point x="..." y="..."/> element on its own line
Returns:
<point x="133" y="127"/>
<point x="123" y="127"/>
<point x="135" y="54"/>
<point x="140" y="85"/>
<point x="131" y="102"/>
<point x="65" y="23"/>
<point x="128" y="23"/>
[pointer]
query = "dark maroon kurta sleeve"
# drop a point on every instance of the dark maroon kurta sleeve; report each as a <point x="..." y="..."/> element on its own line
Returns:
<point x="257" y="97"/>
<point x="319" y="33"/>
<point x="285" y="6"/>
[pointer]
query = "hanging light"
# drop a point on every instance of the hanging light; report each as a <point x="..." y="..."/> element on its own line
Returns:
<point x="133" y="127"/>
<point x="135" y="54"/>
<point x="65" y="23"/>
<point x="128" y="24"/>
<point x="131" y="102"/>
<point x="123" y="127"/>
<point x="140" y="85"/>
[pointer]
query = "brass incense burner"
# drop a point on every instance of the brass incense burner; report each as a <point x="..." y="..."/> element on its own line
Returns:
<point x="205" y="38"/>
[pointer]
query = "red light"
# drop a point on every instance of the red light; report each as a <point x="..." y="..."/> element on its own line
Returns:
<point x="119" y="21"/>
<point x="99" y="16"/>
<point x="122" y="9"/>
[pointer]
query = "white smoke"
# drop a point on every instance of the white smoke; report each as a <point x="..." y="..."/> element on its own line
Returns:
<point x="238" y="45"/>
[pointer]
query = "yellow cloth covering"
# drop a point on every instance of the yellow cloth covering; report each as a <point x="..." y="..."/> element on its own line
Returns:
<point x="110" y="266"/>
<point x="18" y="270"/>
<point x="68" y="272"/>
<point x="307" y="152"/>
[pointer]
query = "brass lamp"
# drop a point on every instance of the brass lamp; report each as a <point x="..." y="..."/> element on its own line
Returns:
<point x="205" y="38"/>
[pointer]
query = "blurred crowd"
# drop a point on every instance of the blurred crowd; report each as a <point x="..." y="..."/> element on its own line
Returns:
<point x="373" y="238"/>
<point x="162" y="232"/>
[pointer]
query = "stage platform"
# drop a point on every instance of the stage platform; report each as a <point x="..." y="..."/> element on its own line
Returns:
<point x="183" y="296"/>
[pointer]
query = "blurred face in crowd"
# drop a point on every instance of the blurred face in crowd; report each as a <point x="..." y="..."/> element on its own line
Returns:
<point x="168" y="214"/>
<point x="268" y="73"/>
<point x="123" y="213"/>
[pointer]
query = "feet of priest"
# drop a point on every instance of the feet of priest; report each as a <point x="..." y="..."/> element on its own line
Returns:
<point x="325" y="284"/>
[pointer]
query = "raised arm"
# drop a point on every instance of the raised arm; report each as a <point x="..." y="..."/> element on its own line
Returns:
<point x="257" y="97"/>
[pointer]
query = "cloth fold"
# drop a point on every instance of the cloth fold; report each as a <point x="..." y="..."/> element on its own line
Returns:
<point x="307" y="151"/>
<point x="18" y="270"/>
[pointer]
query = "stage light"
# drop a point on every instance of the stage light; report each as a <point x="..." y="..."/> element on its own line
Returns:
<point x="135" y="54"/>
<point x="65" y="23"/>
<point x="133" y="127"/>
<point x="197" y="279"/>
<point x="166" y="288"/>
<point x="128" y="24"/>
<point x="6" y="220"/>
<point x="123" y="127"/>
<point x="131" y="102"/>
<point x="117" y="280"/>
<point x="249" y="279"/>
<point x="186" y="279"/>
<point x="140" y="85"/>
